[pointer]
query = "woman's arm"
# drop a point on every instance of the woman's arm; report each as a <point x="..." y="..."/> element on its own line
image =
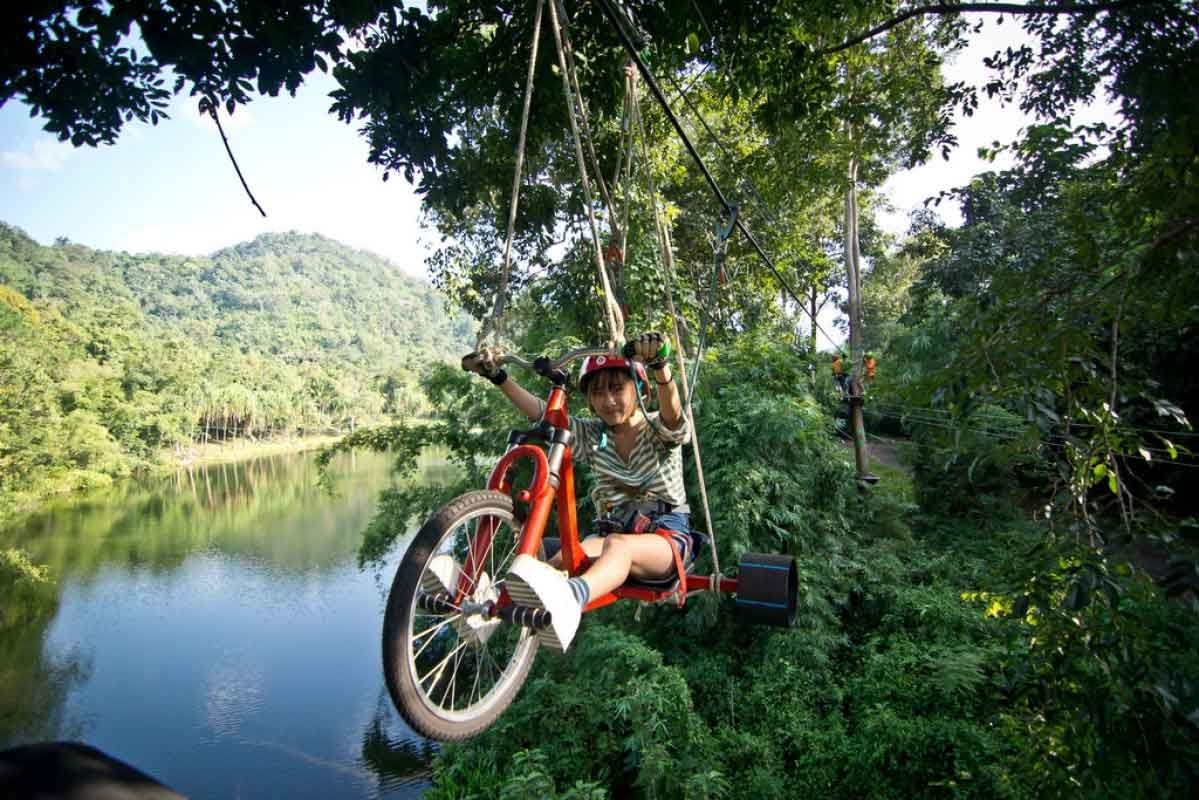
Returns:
<point x="525" y="401"/>
<point x="486" y="362"/>
<point x="670" y="407"/>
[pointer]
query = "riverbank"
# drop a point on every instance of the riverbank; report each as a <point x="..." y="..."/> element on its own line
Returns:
<point x="201" y="455"/>
<point x="76" y="485"/>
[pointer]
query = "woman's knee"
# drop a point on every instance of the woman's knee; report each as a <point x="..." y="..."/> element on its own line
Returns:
<point x="618" y="543"/>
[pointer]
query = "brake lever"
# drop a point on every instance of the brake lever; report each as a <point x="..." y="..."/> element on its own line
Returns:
<point x="544" y="367"/>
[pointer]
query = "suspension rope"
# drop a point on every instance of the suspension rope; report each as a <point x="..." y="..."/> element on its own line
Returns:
<point x="631" y="99"/>
<point x="584" y="118"/>
<point x="495" y="321"/>
<point x="666" y="262"/>
<point x="612" y="311"/>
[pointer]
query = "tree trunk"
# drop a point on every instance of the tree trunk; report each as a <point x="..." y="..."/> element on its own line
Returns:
<point x="814" y="310"/>
<point x="853" y="257"/>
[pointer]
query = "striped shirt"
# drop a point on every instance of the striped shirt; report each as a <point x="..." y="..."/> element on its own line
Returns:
<point x="654" y="470"/>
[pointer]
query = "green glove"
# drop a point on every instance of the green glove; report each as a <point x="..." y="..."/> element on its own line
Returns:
<point x="652" y="349"/>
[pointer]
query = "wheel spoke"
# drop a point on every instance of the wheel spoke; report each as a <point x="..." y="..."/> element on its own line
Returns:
<point x="437" y="627"/>
<point x="440" y="668"/>
<point x="421" y="651"/>
<point x="475" y="686"/>
<point x="452" y="684"/>
<point x="457" y="673"/>
<point x="492" y="664"/>
<point x="461" y="570"/>
<point x="509" y="556"/>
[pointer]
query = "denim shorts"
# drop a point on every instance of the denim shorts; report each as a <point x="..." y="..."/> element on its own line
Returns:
<point x="679" y="524"/>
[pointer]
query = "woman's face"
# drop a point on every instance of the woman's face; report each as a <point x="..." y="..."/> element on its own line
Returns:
<point x="613" y="396"/>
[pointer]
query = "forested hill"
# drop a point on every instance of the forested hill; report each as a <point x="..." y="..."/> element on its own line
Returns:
<point x="302" y="297"/>
<point x="106" y="358"/>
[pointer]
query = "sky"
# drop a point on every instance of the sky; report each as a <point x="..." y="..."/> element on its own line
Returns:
<point x="171" y="188"/>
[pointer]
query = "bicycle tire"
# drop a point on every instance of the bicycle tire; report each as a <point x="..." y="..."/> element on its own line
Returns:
<point x="421" y="702"/>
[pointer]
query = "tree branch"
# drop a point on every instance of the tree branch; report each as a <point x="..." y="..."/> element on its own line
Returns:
<point x="208" y="106"/>
<point x="994" y="8"/>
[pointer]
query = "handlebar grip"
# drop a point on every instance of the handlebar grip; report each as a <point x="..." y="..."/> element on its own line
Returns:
<point x="470" y="361"/>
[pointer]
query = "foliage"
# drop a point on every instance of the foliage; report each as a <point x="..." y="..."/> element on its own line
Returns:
<point x="1045" y="349"/>
<point x="639" y="731"/>
<point x="15" y="566"/>
<point x="1105" y="685"/>
<point x="976" y="464"/>
<point x="74" y="62"/>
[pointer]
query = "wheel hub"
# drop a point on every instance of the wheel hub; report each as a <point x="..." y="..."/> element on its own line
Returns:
<point x="477" y="622"/>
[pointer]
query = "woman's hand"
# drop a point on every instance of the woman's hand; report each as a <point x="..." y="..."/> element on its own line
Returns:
<point x="652" y="349"/>
<point x="486" y="362"/>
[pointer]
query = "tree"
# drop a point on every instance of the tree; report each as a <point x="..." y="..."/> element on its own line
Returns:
<point x="76" y="64"/>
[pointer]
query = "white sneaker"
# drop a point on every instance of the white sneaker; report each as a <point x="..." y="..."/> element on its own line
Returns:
<point x="536" y="584"/>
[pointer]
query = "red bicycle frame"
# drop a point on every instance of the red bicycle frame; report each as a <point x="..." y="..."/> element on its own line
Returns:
<point x="553" y="482"/>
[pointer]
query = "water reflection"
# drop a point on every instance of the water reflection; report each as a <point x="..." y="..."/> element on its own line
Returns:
<point x="33" y="683"/>
<point x="214" y="631"/>
<point x="394" y="755"/>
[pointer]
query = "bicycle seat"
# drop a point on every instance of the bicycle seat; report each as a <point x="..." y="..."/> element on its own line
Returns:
<point x="667" y="584"/>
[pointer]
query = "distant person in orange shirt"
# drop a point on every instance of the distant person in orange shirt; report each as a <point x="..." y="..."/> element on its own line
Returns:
<point x="838" y="367"/>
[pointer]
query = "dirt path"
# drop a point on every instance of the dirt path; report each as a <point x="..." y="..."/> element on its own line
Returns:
<point x="884" y="451"/>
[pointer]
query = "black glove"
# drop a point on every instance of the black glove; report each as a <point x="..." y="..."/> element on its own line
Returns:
<point x="486" y="362"/>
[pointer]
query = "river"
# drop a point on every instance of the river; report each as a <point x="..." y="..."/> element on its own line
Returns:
<point x="215" y="631"/>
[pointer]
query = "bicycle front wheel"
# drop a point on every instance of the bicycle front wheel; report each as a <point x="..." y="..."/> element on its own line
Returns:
<point x="450" y="668"/>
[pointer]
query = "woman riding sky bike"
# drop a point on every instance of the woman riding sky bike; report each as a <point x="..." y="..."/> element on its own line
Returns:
<point x="637" y="462"/>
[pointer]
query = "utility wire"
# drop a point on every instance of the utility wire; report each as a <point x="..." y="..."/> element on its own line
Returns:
<point x="1053" y="442"/>
<point x="912" y="410"/>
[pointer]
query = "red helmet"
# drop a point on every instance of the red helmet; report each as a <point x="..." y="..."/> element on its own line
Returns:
<point x="594" y="364"/>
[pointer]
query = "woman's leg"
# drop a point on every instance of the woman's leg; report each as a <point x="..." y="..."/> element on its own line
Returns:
<point x="623" y="554"/>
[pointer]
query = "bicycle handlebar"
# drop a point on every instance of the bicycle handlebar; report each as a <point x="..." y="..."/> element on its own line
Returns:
<point x="542" y="365"/>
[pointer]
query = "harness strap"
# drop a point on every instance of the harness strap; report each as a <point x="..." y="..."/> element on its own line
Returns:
<point x="668" y="535"/>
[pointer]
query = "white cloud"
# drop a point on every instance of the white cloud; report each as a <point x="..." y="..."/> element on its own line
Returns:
<point x="46" y="155"/>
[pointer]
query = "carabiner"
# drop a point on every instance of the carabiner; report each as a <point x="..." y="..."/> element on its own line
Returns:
<point x="724" y="231"/>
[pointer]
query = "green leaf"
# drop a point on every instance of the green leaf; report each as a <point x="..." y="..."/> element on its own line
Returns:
<point x="692" y="43"/>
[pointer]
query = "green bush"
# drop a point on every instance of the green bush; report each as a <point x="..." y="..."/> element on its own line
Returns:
<point x="974" y="465"/>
